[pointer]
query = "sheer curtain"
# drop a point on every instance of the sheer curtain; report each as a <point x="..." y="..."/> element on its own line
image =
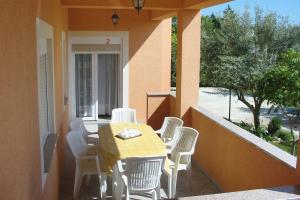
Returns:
<point x="108" y="82"/>
<point x="84" y="85"/>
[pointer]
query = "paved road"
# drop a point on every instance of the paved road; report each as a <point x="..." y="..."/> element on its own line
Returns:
<point x="216" y="100"/>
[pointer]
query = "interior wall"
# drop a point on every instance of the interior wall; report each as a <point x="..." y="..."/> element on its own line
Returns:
<point x="19" y="134"/>
<point x="149" y="49"/>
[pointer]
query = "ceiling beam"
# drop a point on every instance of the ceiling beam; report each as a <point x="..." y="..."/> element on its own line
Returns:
<point x="200" y="4"/>
<point x="161" y="15"/>
<point x="122" y="4"/>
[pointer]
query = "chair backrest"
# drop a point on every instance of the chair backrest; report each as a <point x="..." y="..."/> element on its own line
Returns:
<point x="143" y="173"/>
<point x="169" y="126"/>
<point x="77" y="143"/>
<point x="77" y="124"/>
<point x="186" y="139"/>
<point x="126" y="115"/>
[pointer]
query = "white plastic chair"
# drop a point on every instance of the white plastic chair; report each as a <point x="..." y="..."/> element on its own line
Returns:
<point x="123" y="115"/>
<point x="141" y="175"/>
<point x="185" y="139"/>
<point x="167" y="131"/>
<point x="87" y="161"/>
<point x="77" y="124"/>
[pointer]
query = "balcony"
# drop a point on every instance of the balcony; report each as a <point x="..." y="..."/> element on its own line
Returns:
<point x="39" y="34"/>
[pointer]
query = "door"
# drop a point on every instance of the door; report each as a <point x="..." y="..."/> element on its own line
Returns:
<point x="85" y="87"/>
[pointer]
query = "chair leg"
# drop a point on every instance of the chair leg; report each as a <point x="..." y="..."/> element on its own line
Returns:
<point x="127" y="194"/>
<point x="77" y="183"/>
<point x="157" y="191"/>
<point x="170" y="185"/>
<point x="174" y="183"/>
<point x="154" y="195"/>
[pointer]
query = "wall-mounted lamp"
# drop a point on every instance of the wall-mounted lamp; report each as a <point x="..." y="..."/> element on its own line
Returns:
<point x="115" y="19"/>
<point x="138" y="5"/>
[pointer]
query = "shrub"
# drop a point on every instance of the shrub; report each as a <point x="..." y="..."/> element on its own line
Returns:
<point x="285" y="135"/>
<point x="274" y="125"/>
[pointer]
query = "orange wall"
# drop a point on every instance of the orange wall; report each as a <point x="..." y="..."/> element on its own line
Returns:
<point x="157" y="108"/>
<point x="19" y="134"/>
<point x="149" y="49"/>
<point x="54" y="14"/>
<point x="234" y="163"/>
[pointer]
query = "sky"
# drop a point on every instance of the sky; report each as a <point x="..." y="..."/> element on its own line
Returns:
<point x="287" y="8"/>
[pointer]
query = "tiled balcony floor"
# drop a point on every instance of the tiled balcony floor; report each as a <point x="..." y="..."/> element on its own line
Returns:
<point x="192" y="183"/>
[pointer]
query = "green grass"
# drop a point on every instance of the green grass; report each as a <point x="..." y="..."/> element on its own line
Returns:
<point x="285" y="146"/>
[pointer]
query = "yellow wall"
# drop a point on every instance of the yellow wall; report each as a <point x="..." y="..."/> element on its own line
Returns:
<point x="234" y="163"/>
<point x="19" y="134"/>
<point x="149" y="49"/>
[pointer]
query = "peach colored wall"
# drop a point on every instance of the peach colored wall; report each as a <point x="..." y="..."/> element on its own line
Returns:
<point x="234" y="163"/>
<point x="149" y="49"/>
<point x="19" y="134"/>
<point x="157" y="108"/>
<point x="188" y="61"/>
<point x="53" y="13"/>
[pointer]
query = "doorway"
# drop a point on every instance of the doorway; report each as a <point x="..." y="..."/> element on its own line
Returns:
<point x="97" y="84"/>
<point x="92" y="93"/>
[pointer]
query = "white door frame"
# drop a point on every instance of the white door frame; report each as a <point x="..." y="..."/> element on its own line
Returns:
<point x="100" y="37"/>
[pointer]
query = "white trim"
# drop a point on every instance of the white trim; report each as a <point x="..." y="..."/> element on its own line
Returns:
<point x="45" y="31"/>
<point x="100" y="37"/>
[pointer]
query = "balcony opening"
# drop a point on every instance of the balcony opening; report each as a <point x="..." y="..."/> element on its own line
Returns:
<point x="243" y="48"/>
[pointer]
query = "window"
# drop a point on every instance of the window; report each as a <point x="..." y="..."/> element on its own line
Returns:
<point x="45" y="72"/>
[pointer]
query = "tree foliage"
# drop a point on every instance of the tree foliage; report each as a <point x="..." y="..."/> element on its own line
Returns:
<point x="237" y="50"/>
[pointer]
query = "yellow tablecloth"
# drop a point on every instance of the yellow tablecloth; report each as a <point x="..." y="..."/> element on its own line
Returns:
<point x="113" y="148"/>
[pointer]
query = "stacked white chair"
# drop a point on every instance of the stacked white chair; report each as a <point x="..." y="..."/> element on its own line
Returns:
<point x="185" y="139"/>
<point x="87" y="162"/>
<point x="142" y="175"/>
<point x="77" y="124"/>
<point x="123" y="115"/>
<point x="167" y="131"/>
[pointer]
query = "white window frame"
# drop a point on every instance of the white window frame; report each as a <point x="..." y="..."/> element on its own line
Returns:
<point x="65" y="92"/>
<point x="45" y="31"/>
<point x="99" y="37"/>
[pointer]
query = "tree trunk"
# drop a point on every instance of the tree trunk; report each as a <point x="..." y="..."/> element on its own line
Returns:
<point x="293" y="146"/>
<point x="229" y="112"/>
<point x="256" y="117"/>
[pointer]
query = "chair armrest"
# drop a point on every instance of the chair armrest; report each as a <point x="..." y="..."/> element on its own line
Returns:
<point x="178" y="157"/>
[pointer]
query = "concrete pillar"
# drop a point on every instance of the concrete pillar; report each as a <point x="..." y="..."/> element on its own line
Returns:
<point x="188" y="61"/>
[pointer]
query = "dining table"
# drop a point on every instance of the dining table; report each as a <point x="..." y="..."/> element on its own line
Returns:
<point x="113" y="148"/>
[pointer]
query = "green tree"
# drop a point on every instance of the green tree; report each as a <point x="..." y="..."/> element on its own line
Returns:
<point x="173" y="51"/>
<point x="240" y="51"/>
<point x="282" y="86"/>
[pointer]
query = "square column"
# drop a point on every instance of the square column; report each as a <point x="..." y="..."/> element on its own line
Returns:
<point x="188" y="60"/>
